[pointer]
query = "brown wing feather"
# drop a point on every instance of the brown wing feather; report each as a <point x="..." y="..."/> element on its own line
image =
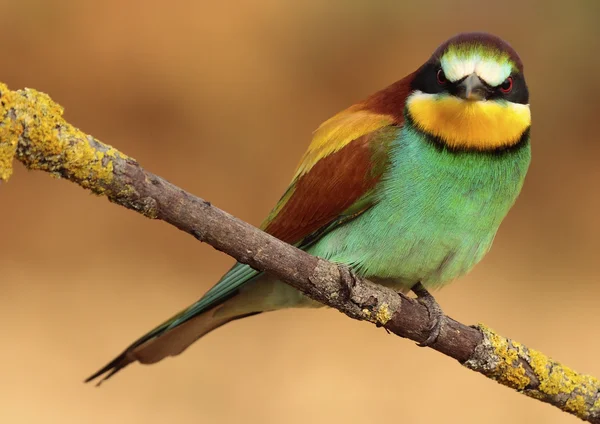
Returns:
<point x="332" y="185"/>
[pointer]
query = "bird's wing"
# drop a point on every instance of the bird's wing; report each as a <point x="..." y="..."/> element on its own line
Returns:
<point x="336" y="176"/>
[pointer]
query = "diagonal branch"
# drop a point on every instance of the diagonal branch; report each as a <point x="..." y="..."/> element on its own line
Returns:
<point x="33" y="131"/>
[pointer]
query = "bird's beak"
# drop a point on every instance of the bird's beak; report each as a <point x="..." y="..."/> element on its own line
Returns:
<point x="472" y="88"/>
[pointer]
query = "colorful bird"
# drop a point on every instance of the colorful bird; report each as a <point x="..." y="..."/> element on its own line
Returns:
<point x="406" y="188"/>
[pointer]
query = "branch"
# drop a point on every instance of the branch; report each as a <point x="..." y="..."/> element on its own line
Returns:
<point x="33" y="131"/>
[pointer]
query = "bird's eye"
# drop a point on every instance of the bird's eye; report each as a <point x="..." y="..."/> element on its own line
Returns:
<point x="441" y="77"/>
<point x="507" y="85"/>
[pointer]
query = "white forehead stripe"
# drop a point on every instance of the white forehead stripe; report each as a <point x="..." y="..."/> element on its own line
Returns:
<point x="491" y="71"/>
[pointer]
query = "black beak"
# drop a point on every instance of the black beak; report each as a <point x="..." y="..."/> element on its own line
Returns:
<point x="472" y="88"/>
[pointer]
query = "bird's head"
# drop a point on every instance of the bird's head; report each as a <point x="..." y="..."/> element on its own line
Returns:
<point x="471" y="94"/>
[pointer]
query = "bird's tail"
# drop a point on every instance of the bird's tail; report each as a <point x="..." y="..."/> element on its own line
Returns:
<point x="150" y="349"/>
<point x="217" y="307"/>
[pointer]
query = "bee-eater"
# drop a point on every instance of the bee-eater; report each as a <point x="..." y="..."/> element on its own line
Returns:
<point x="407" y="188"/>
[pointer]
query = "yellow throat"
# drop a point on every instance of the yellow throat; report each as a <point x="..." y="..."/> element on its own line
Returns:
<point x="466" y="124"/>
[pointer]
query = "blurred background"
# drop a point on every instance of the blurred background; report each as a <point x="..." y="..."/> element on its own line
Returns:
<point x="221" y="98"/>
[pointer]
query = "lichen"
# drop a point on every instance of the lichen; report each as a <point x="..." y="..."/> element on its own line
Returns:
<point x="505" y="360"/>
<point x="125" y="192"/>
<point x="34" y="130"/>
<point x="383" y="314"/>
<point x="9" y="132"/>
<point x="596" y="407"/>
<point x="559" y="381"/>
<point x="551" y="381"/>
<point x="508" y="369"/>
<point x="366" y="313"/>
<point x="577" y="405"/>
<point x="7" y="153"/>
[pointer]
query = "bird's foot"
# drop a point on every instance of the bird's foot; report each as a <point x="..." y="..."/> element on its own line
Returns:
<point x="436" y="315"/>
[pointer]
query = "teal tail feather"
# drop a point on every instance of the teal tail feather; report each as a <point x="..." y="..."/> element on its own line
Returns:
<point x="176" y="334"/>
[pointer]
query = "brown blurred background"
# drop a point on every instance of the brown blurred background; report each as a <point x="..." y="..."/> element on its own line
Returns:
<point x="221" y="98"/>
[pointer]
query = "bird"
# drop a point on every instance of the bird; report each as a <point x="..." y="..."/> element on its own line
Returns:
<point x="406" y="188"/>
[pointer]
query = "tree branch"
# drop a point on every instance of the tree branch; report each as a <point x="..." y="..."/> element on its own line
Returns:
<point x="33" y="131"/>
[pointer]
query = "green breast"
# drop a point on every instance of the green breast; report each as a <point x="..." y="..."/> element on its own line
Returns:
<point x="437" y="214"/>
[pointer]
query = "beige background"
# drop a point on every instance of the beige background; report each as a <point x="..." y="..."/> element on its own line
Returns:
<point x="221" y="98"/>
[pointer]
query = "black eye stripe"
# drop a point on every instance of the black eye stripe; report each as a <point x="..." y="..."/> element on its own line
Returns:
<point x="426" y="80"/>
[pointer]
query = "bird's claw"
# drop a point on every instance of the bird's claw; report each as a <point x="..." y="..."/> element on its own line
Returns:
<point x="436" y="315"/>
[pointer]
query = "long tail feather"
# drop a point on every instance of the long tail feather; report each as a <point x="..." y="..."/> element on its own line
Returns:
<point x="174" y="335"/>
<point x="170" y="343"/>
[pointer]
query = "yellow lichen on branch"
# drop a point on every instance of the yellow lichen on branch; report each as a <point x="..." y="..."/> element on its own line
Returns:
<point x="536" y="375"/>
<point x="34" y="131"/>
<point x="9" y="132"/>
<point x="580" y="390"/>
<point x="505" y="358"/>
<point x="383" y="314"/>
